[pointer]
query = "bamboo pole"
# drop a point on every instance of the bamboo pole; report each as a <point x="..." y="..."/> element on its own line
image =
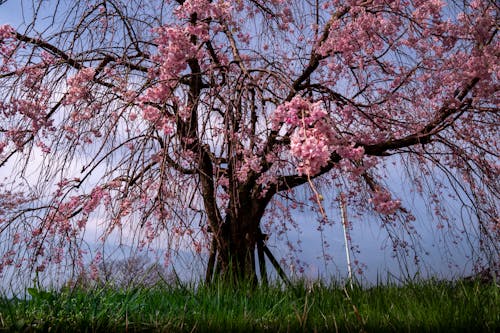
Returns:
<point x="345" y="226"/>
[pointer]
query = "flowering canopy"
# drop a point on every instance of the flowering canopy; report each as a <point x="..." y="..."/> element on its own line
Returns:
<point x="189" y="118"/>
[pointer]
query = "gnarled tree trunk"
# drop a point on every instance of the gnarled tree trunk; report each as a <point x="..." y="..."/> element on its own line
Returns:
<point x="235" y="243"/>
<point x="238" y="245"/>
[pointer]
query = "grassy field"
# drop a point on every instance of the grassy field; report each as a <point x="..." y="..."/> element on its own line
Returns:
<point x="420" y="307"/>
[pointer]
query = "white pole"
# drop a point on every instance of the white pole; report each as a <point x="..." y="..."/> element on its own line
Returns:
<point x="345" y="225"/>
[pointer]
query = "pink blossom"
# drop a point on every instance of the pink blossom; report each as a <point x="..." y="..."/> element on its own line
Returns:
<point x="350" y="152"/>
<point x="6" y="32"/>
<point x="249" y="164"/>
<point x="125" y="207"/>
<point x="223" y="181"/>
<point x="36" y="232"/>
<point x="96" y="196"/>
<point x="151" y="113"/>
<point x="94" y="266"/>
<point x="132" y="116"/>
<point x="311" y="142"/>
<point x="7" y="48"/>
<point x="79" y="86"/>
<point x="204" y="9"/>
<point x="43" y="147"/>
<point x="383" y="203"/>
<point x="312" y="148"/>
<point x="297" y="112"/>
<point x="17" y="238"/>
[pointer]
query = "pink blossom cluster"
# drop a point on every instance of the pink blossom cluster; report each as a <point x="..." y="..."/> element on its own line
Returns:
<point x="94" y="266"/>
<point x="175" y="44"/>
<point x="33" y="76"/>
<point x="174" y="49"/>
<point x="160" y="121"/>
<point x="429" y="9"/>
<point x="7" y="259"/>
<point x="125" y="207"/>
<point x="59" y="217"/>
<point x="32" y="109"/>
<point x="312" y="147"/>
<point x="363" y="33"/>
<point x="444" y="56"/>
<point x="27" y="113"/>
<point x="219" y="9"/>
<point x="298" y="112"/>
<point x="311" y="141"/>
<point x="249" y="164"/>
<point x="97" y="196"/>
<point x="349" y="151"/>
<point x="6" y="32"/>
<point x="151" y="114"/>
<point x="17" y="136"/>
<point x="6" y="37"/>
<point x="79" y="86"/>
<point x="266" y="180"/>
<point x="223" y="185"/>
<point x="383" y="203"/>
<point x="43" y="147"/>
<point x="10" y="201"/>
<point x="150" y="232"/>
<point x="60" y="187"/>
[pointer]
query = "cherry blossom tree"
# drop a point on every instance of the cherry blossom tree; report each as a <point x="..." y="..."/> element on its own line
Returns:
<point x="200" y="120"/>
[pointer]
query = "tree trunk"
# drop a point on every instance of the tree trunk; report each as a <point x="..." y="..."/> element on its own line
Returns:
<point x="235" y="250"/>
<point x="238" y="245"/>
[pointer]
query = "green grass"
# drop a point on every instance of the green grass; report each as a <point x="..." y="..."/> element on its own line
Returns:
<point x="420" y="307"/>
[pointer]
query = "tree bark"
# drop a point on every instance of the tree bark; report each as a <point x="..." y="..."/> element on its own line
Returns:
<point x="235" y="250"/>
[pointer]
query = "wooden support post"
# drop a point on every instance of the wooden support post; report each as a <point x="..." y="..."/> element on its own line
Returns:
<point x="262" y="259"/>
<point x="276" y="265"/>
<point x="211" y="261"/>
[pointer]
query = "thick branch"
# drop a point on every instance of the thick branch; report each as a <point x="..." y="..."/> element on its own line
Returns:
<point x="51" y="48"/>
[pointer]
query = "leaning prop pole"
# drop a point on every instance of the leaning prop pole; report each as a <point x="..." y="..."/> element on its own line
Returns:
<point x="211" y="261"/>
<point x="273" y="260"/>
<point x="345" y="225"/>
<point x="262" y="259"/>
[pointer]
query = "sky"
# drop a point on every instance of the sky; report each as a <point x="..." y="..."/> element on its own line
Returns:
<point x="375" y="257"/>
<point x="10" y="12"/>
